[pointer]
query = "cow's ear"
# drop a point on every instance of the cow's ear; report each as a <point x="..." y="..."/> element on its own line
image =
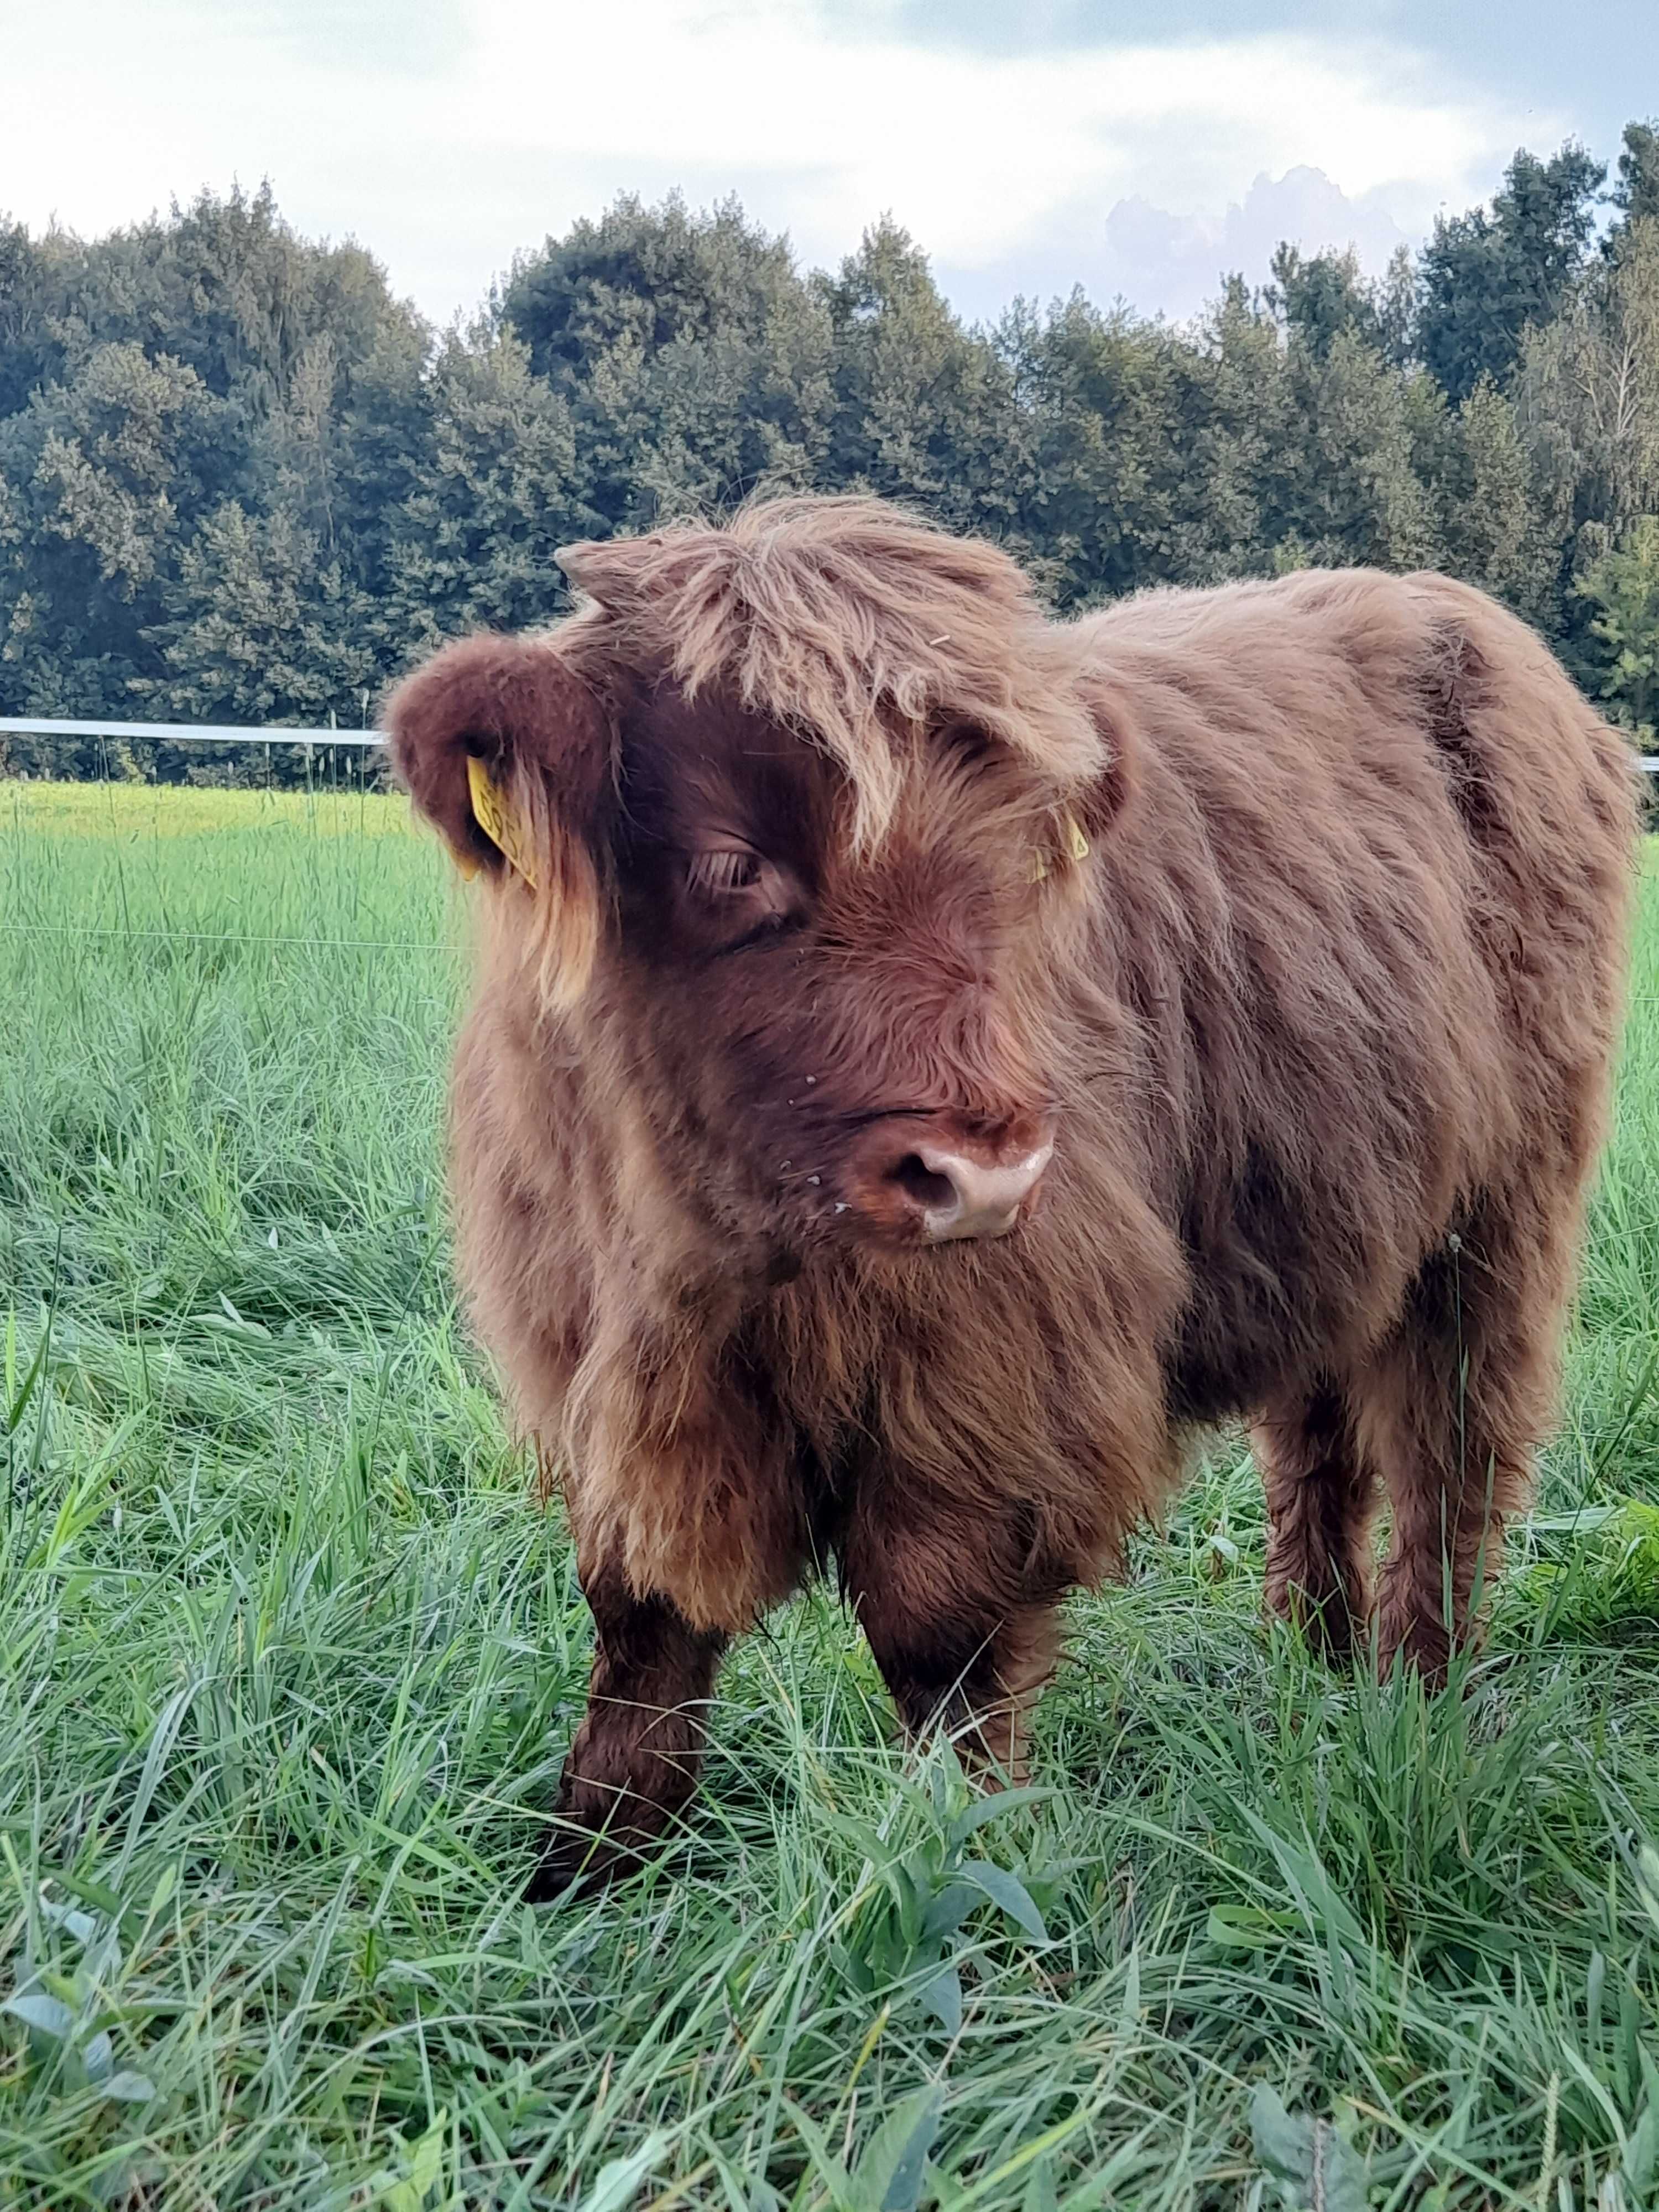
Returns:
<point x="511" y="755"/>
<point x="1112" y="787"/>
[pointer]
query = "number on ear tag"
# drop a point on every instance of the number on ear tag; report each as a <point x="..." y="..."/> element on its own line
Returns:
<point x="493" y="814"/>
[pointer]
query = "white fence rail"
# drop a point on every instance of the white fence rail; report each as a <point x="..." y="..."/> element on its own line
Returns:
<point x="231" y="734"/>
<point x="187" y="732"/>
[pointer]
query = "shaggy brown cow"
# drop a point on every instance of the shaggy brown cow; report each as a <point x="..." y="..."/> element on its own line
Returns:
<point x="928" y="1060"/>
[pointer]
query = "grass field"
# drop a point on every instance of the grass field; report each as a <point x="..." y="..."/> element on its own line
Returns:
<point x="288" y="1660"/>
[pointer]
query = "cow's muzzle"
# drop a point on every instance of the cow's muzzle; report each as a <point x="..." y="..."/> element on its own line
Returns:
<point x="923" y="1181"/>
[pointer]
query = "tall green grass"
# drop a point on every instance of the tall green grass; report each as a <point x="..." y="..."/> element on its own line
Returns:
<point x="288" y="1660"/>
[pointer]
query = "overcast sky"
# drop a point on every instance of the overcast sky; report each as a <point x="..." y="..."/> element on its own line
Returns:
<point x="1138" y="148"/>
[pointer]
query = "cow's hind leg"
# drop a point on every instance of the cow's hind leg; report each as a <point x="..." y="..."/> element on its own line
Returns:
<point x="1454" y="1405"/>
<point x="1321" y="1490"/>
<point x="634" y="1758"/>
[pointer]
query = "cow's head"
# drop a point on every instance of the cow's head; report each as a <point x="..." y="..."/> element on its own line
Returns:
<point x="797" y="815"/>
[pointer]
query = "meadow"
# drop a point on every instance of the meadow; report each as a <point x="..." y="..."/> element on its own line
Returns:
<point x="289" y="1657"/>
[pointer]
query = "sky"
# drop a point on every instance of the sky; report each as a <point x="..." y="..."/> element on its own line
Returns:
<point x="1140" y="148"/>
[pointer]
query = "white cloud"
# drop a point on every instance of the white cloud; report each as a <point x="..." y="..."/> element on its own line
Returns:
<point x="1127" y="167"/>
<point x="1190" y="255"/>
<point x="1175" y="264"/>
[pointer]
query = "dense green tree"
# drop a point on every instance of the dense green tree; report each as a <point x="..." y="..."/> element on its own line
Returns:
<point x="226" y="287"/>
<point x="472" y="541"/>
<point x="239" y="478"/>
<point x="695" y="359"/>
<point x="924" y="409"/>
<point x="258" y="626"/>
<point x="1104" y="395"/>
<point x="207" y="364"/>
<point x="1485" y="278"/>
<point x="1232" y="430"/>
<point x="102" y="477"/>
<point x="1621" y="588"/>
<point x="1341" y="485"/>
<point x="1499" y="518"/>
<point x="1319" y="295"/>
<point x="1636" y="189"/>
<point x="1588" y="387"/>
<point x="30" y="354"/>
<point x="652" y="275"/>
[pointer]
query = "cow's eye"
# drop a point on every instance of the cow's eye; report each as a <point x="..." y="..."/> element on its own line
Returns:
<point x="741" y="898"/>
<point x="723" y="872"/>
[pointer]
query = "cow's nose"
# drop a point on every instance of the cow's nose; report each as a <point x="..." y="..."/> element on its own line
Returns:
<point x="955" y="1195"/>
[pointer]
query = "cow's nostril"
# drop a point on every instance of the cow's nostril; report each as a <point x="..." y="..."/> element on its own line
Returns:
<point x="921" y="1184"/>
<point x="924" y="1191"/>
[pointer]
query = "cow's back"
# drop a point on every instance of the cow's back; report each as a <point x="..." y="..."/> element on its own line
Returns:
<point x="1370" y="905"/>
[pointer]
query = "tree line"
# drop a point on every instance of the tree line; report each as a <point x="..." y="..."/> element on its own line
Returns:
<point x="240" y="481"/>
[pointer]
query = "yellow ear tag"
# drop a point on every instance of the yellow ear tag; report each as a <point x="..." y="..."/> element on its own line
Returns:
<point x="1077" y="847"/>
<point x="495" y="818"/>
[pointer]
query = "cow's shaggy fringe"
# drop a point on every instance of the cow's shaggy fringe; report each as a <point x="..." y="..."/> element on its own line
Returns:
<point x="845" y="620"/>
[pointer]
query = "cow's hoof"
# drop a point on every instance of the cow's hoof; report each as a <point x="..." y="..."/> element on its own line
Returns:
<point x="573" y="1860"/>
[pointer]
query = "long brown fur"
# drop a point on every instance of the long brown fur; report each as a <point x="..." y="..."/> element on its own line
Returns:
<point x="1322" y="1021"/>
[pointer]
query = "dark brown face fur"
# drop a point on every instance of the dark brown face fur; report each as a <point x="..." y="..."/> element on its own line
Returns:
<point x="822" y="1024"/>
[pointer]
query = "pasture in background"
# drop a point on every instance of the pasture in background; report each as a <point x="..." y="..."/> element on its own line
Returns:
<point x="288" y="1660"/>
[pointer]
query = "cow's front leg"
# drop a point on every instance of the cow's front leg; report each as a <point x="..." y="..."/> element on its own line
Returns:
<point x="963" y="1620"/>
<point x="691" y="1519"/>
<point x="634" y="1758"/>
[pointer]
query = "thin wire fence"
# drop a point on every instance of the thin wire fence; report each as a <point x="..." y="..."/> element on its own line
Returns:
<point x="96" y="754"/>
<point x="335" y="764"/>
<point x="223" y="937"/>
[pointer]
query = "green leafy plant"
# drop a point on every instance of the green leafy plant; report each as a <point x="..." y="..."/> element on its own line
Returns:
<point x="1308" y="2166"/>
<point x="66" y="2017"/>
<point x="1610" y="1570"/>
<point x="908" y="1934"/>
<point x="891" y="2169"/>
